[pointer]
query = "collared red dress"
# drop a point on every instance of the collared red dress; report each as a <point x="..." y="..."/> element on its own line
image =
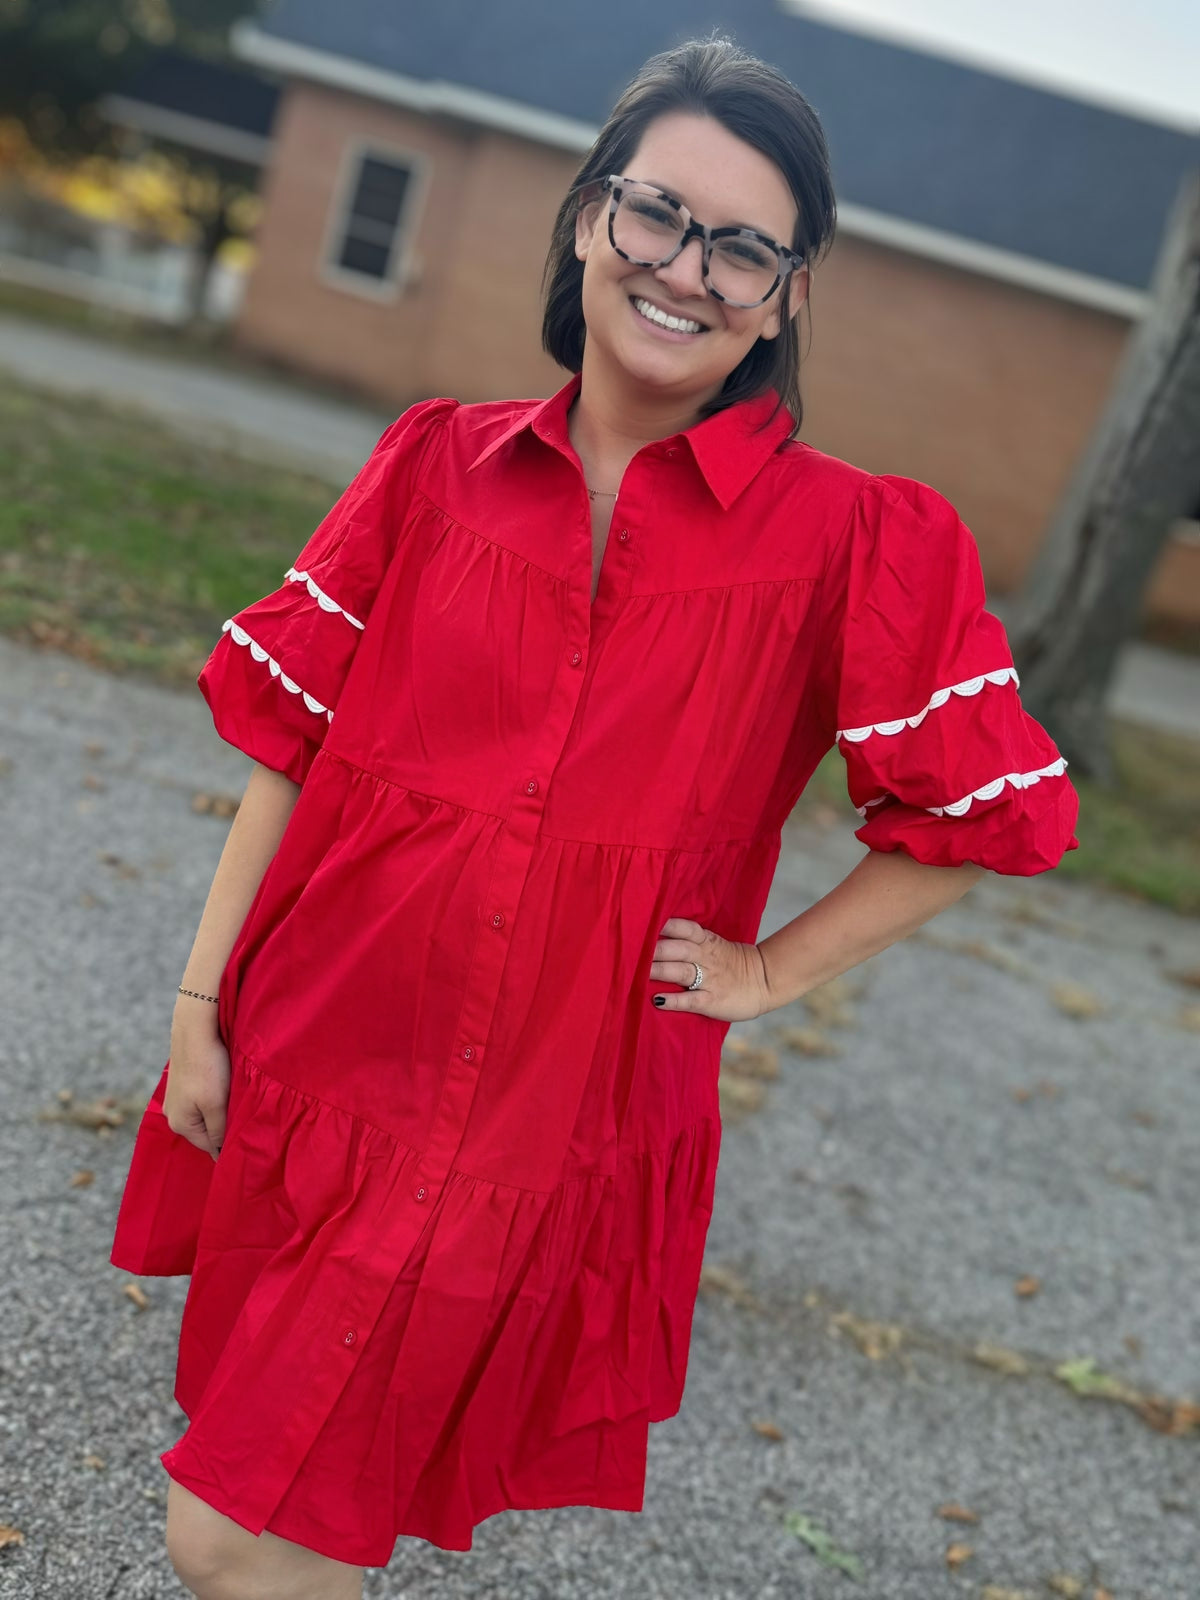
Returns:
<point x="447" y="1259"/>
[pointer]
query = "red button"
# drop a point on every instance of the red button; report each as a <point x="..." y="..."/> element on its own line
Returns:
<point x="419" y="1193"/>
<point x="623" y="535"/>
<point x="497" y="919"/>
<point x="531" y="786"/>
<point x="468" y="1053"/>
<point x="350" y="1336"/>
<point x="576" y="658"/>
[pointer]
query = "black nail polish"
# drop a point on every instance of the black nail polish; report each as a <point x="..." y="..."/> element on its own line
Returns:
<point x="660" y="999"/>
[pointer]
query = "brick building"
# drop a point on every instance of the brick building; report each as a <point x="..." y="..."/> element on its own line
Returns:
<point x="995" y="239"/>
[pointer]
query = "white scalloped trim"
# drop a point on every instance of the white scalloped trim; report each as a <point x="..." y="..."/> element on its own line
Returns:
<point x="1019" y="780"/>
<point x="958" y="808"/>
<point x="240" y="636"/>
<point x="326" y="602"/>
<point x="938" y="698"/>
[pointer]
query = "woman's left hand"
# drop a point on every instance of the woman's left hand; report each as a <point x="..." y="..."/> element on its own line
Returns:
<point x="733" y="987"/>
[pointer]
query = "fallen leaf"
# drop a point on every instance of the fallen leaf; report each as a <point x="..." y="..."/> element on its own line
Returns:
<point x="82" y="1178"/>
<point x="97" y="1463"/>
<point x="137" y="1294"/>
<point x="828" y="1004"/>
<point x="739" y="1096"/>
<point x="956" y="1554"/>
<point x="749" y="1060"/>
<point x="956" y="1513"/>
<point x="1073" y="1000"/>
<point x="1101" y="1594"/>
<point x="874" y="1339"/>
<point x="1001" y="1359"/>
<point x="91" y="781"/>
<point x="808" y="1042"/>
<point x="94" y="748"/>
<point x="768" y="1430"/>
<point x="1189" y="1017"/>
<point x="1085" y="1378"/>
<point x="1027" y="1286"/>
<point x="993" y="1591"/>
<point x="1190" y="979"/>
<point x="1169" y="1416"/>
<point x="1064" y="1584"/>
<point x="717" y="1279"/>
<point x="123" y="868"/>
<point x="10" y="1535"/>
<point x="820" y="1543"/>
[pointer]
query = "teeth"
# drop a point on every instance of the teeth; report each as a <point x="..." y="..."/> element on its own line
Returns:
<point x="653" y="314"/>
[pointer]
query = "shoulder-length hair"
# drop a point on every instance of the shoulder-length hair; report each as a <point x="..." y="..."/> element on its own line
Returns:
<point x="753" y="100"/>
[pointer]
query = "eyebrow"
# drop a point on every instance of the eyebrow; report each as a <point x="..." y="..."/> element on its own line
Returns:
<point x="675" y="194"/>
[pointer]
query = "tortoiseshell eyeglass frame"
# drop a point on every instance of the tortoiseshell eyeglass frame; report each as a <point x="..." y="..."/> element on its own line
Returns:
<point x="788" y="259"/>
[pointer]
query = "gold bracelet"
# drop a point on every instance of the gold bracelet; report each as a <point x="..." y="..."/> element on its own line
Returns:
<point x="211" y="997"/>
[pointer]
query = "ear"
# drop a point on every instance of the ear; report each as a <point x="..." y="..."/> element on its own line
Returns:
<point x="797" y="287"/>
<point x="587" y="219"/>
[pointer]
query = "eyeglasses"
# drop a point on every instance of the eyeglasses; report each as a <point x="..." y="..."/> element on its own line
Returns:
<point x="649" y="227"/>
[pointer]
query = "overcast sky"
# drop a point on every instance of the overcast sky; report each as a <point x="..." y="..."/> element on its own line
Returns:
<point x="1137" y="55"/>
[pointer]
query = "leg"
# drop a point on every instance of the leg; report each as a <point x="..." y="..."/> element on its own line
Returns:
<point x="217" y="1559"/>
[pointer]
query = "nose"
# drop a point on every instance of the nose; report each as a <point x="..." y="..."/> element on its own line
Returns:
<point x="684" y="276"/>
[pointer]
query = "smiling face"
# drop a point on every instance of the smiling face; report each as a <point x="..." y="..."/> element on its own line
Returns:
<point x="724" y="182"/>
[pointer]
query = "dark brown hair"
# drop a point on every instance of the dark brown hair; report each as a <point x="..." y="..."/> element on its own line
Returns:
<point x="754" y="101"/>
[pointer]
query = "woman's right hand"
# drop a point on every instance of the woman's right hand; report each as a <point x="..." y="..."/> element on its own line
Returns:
<point x="197" y="1092"/>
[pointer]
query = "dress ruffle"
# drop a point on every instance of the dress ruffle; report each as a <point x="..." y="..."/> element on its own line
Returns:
<point x="551" y="1312"/>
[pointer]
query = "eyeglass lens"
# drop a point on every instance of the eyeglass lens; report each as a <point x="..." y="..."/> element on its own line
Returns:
<point x="648" y="229"/>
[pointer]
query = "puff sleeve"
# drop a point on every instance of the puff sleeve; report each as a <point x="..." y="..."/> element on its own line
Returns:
<point x="942" y="760"/>
<point x="273" y="678"/>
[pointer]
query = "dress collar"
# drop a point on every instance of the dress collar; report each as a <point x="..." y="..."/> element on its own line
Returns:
<point x="725" y="447"/>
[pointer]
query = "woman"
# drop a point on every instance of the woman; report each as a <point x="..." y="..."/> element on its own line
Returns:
<point x="542" y="689"/>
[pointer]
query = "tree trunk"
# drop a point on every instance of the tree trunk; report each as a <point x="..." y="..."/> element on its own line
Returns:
<point x="1139" y="473"/>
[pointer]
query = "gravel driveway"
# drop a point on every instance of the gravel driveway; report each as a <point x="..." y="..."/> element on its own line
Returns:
<point x="993" y="1172"/>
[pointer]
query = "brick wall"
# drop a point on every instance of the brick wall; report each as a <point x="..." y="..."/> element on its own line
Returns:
<point x="983" y="389"/>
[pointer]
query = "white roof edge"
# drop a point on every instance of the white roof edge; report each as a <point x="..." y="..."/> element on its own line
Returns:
<point x="198" y="132"/>
<point x="991" y="261"/>
<point x="544" y="127"/>
<point x="431" y="95"/>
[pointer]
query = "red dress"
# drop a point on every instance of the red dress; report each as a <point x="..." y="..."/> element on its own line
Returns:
<point x="447" y="1260"/>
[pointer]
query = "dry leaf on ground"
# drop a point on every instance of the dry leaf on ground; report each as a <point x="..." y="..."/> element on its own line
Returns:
<point x="749" y="1060"/>
<point x="956" y="1554"/>
<point x="768" y="1430"/>
<point x="956" y="1513"/>
<point x="1062" y="1583"/>
<point x="1001" y="1359"/>
<point x="808" y="1042"/>
<point x="739" y="1096"/>
<point x="1073" y="1000"/>
<point x="875" y="1339"/>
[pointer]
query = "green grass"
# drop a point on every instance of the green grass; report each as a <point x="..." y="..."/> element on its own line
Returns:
<point x="128" y="547"/>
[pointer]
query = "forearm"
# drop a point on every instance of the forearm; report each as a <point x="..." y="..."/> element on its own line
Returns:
<point x="253" y="839"/>
<point x="886" y="897"/>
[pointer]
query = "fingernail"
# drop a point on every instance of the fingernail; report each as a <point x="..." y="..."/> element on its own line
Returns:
<point x="660" y="999"/>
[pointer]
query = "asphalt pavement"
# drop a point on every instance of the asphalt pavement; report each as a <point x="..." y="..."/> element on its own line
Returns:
<point x="927" y="1248"/>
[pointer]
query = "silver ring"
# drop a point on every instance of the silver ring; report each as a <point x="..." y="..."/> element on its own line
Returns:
<point x="699" y="978"/>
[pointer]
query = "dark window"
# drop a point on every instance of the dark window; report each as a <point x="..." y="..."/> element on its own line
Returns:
<point x="373" y="220"/>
